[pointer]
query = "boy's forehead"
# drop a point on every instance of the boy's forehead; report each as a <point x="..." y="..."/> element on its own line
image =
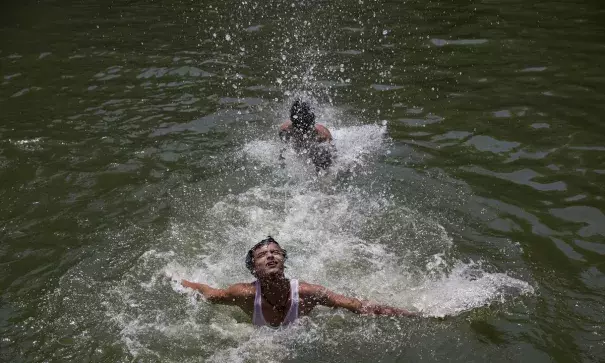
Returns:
<point x="268" y="246"/>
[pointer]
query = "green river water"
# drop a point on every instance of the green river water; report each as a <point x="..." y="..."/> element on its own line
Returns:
<point x="139" y="146"/>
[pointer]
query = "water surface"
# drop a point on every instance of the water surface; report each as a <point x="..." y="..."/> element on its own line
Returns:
<point x="139" y="146"/>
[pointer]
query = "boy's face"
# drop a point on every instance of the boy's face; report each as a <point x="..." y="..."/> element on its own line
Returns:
<point x="268" y="260"/>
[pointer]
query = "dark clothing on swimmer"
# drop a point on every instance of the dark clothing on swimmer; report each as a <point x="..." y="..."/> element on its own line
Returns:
<point x="306" y="137"/>
<point x="302" y="118"/>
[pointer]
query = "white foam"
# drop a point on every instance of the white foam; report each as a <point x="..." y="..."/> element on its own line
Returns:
<point x="465" y="287"/>
<point x="351" y="236"/>
<point x="356" y="147"/>
<point x="26" y="141"/>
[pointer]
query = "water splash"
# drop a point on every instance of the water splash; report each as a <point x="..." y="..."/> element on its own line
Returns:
<point x="348" y="233"/>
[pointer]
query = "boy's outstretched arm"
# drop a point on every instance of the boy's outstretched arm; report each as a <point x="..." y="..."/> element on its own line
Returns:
<point x="233" y="295"/>
<point x="328" y="298"/>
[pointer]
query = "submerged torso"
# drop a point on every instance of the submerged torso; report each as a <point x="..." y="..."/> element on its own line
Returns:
<point x="315" y="144"/>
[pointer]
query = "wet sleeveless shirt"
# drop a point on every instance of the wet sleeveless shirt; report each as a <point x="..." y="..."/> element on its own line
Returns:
<point x="259" y="320"/>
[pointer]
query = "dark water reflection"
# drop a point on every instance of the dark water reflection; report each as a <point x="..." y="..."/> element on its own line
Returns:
<point x="494" y="110"/>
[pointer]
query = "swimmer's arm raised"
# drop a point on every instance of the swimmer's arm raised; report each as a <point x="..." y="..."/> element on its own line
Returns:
<point x="328" y="298"/>
<point x="233" y="295"/>
<point x="284" y="130"/>
<point x="285" y="126"/>
<point x="323" y="134"/>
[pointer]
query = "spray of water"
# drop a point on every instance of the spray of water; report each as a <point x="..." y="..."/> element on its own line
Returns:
<point x="342" y="228"/>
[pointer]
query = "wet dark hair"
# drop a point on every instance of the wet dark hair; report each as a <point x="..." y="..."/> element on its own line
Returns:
<point x="301" y="116"/>
<point x="250" y="255"/>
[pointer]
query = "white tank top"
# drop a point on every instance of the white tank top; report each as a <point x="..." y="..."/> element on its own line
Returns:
<point x="259" y="320"/>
